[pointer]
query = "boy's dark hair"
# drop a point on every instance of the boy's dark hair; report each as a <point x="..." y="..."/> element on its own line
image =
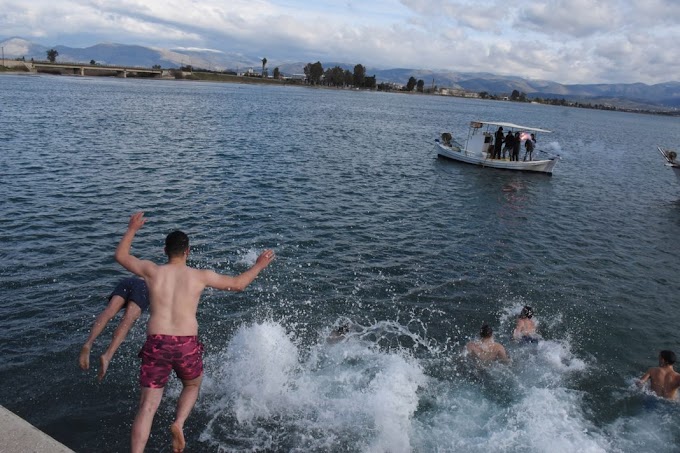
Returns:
<point x="176" y="243"/>
<point x="668" y="356"/>
<point x="527" y="312"/>
<point x="486" y="331"/>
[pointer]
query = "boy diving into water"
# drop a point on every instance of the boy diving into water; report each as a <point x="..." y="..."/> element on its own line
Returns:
<point x="131" y="293"/>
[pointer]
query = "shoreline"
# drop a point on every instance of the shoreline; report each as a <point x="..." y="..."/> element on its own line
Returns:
<point x="215" y="77"/>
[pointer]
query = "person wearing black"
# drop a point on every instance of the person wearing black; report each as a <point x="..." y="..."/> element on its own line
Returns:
<point x="497" y="144"/>
<point x="509" y="144"/>
<point x="515" y="147"/>
<point x="529" y="146"/>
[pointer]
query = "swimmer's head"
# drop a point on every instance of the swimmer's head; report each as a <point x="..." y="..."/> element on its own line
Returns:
<point x="486" y="331"/>
<point x="176" y="244"/>
<point x="342" y="330"/>
<point x="667" y="356"/>
<point x="527" y="312"/>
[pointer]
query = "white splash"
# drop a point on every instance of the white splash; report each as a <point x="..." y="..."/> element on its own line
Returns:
<point x="248" y="257"/>
<point x="343" y="393"/>
<point x="264" y="392"/>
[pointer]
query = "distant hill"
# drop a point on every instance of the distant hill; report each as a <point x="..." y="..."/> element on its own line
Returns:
<point x="633" y="95"/>
<point x="130" y="55"/>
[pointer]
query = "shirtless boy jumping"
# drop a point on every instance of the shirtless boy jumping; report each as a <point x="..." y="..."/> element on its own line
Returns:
<point x="664" y="380"/>
<point x="172" y="332"/>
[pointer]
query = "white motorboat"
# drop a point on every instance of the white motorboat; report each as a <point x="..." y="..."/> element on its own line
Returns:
<point x="671" y="160"/>
<point x="479" y="148"/>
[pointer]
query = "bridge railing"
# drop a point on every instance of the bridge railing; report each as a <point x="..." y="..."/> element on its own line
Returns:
<point x="88" y="65"/>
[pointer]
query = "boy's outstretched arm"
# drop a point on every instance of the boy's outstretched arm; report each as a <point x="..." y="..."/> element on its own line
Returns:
<point x="138" y="267"/>
<point x="241" y="281"/>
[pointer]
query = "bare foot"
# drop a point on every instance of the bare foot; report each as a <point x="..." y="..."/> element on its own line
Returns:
<point x="178" y="443"/>
<point x="103" y="366"/>
<point x="84" y="358"/>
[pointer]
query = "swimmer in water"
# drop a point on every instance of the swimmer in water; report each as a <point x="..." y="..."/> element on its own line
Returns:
<point x="525" y="330"/>
<point x="338" y="334"/>
<point x="486" y="349"/>
<point x="664" y="379"/>
<point x="131" y="293"/>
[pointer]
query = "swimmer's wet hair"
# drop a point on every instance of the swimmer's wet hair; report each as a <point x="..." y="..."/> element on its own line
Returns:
<point x="176" y="243"/>
<point x="486" y="331"/>
<point x="668" y="356"/>
<point x="527" y="312"/>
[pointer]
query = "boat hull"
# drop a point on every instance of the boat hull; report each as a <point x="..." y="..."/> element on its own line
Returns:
<point x="482" y="160"/>
<point x="671" y="160"/>
<point x="676" y="170"/>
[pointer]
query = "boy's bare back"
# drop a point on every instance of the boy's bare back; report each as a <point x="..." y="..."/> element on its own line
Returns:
<point x="664" y="381"/>
<point x="175" y="288"/>
<point x="487" y="351"/>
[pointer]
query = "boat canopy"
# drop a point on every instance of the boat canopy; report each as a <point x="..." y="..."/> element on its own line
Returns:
<point x="477" y="124"/>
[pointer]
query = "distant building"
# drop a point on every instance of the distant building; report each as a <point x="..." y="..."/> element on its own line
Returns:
<point x="295" y="77"/>
<point x="394" y="86"/>
<point x="458" y="93"/>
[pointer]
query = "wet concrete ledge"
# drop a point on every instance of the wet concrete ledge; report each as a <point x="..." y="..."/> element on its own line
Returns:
<point x="19" y="436"/>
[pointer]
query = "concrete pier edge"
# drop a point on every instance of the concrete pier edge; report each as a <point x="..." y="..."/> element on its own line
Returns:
<point x="19" y="436"/>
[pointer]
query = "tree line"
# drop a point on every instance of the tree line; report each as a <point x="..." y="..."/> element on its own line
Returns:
<point x="338" y="77"/>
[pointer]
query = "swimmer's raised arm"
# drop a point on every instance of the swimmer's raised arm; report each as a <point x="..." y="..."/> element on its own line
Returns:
<point x="143" y="268"/>
<point x="241" y="281"/>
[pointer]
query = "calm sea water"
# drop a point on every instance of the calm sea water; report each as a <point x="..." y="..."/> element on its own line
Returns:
<point x="371" y="229"/>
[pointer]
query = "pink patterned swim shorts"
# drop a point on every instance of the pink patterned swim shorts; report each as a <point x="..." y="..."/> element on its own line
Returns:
<point x="164" y="353"/>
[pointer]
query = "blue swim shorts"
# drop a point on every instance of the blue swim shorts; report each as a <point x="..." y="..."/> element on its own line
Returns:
<point x="133" y="289"/>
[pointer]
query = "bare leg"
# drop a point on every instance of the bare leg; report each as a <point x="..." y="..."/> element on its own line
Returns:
<point x="132" y="312"/>
<point x="149" y="400"/>
<point x="114" y="306"/>
<point x="185" y="404"/>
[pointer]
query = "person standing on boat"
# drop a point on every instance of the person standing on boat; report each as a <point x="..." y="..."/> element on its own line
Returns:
<point x="497" y="144"/>
<point x="509" y="144"/>
<point x="515" y="147"/>
<point x="529" y="146"/>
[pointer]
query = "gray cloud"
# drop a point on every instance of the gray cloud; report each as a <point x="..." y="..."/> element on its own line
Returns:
<point x="569" y="41"/>
<point x="575" y="18"/>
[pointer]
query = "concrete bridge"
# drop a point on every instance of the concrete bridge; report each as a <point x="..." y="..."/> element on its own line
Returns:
<point x="80" y="68"/>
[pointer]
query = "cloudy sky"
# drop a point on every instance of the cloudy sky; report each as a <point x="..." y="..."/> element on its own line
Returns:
<point x="567" y="41"/>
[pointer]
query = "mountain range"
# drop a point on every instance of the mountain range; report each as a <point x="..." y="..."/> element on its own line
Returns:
<point x="663" y="96"/>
